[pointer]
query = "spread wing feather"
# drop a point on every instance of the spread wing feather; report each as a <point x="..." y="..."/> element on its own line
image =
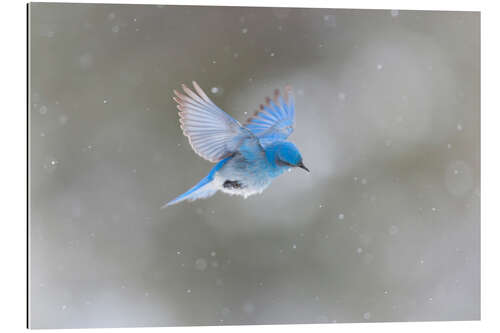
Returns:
<point x="212" y="133"/>
<point x="275" y="120"/>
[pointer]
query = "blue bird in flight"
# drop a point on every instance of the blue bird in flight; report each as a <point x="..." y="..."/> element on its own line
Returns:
<point x="248" y="156"/>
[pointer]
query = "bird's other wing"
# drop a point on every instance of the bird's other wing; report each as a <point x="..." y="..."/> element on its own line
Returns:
<point x="274" y="120"/>
<point x="212" y="133"/>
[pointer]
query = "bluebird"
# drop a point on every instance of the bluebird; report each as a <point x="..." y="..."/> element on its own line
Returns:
<point x="248" y="156"/>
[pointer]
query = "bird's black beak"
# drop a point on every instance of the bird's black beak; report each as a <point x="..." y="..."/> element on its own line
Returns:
<point x="302" y="166"/>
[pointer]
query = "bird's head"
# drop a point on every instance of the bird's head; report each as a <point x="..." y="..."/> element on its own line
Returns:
<point x="287" y="154"/>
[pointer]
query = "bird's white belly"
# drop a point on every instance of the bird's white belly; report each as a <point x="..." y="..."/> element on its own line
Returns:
<point x="249" y="186"/>
<point x="251" y="178"/>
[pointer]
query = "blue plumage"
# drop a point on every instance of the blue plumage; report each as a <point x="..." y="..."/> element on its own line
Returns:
<point x="249" y="156"/>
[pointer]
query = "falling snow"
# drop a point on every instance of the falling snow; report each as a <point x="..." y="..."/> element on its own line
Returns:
<point x="200" y="264"/>
<point x="329" y="20"/>
<point x="393" y="230"/>
<point x="86" y="60"/>
<point x="63" y="119"/>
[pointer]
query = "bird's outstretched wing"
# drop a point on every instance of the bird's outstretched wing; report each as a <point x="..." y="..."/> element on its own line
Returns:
<point x="212" y="133"/>
<point x="275" y="120"/>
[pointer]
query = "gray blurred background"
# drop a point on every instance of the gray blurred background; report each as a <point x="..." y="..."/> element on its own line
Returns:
<point x="384" y="228"/>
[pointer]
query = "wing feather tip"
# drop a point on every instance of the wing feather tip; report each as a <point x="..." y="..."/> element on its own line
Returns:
<point x="186" y="89"/>
<point x="201" y="93"/>
<point x="276" y="95"/>
<point x="289" y="92"/>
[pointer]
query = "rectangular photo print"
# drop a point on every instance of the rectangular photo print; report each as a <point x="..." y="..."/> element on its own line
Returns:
<point x="210" y="165"/>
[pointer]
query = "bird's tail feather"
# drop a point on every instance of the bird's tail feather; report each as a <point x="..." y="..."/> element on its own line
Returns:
<point x="204" y="189"/>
